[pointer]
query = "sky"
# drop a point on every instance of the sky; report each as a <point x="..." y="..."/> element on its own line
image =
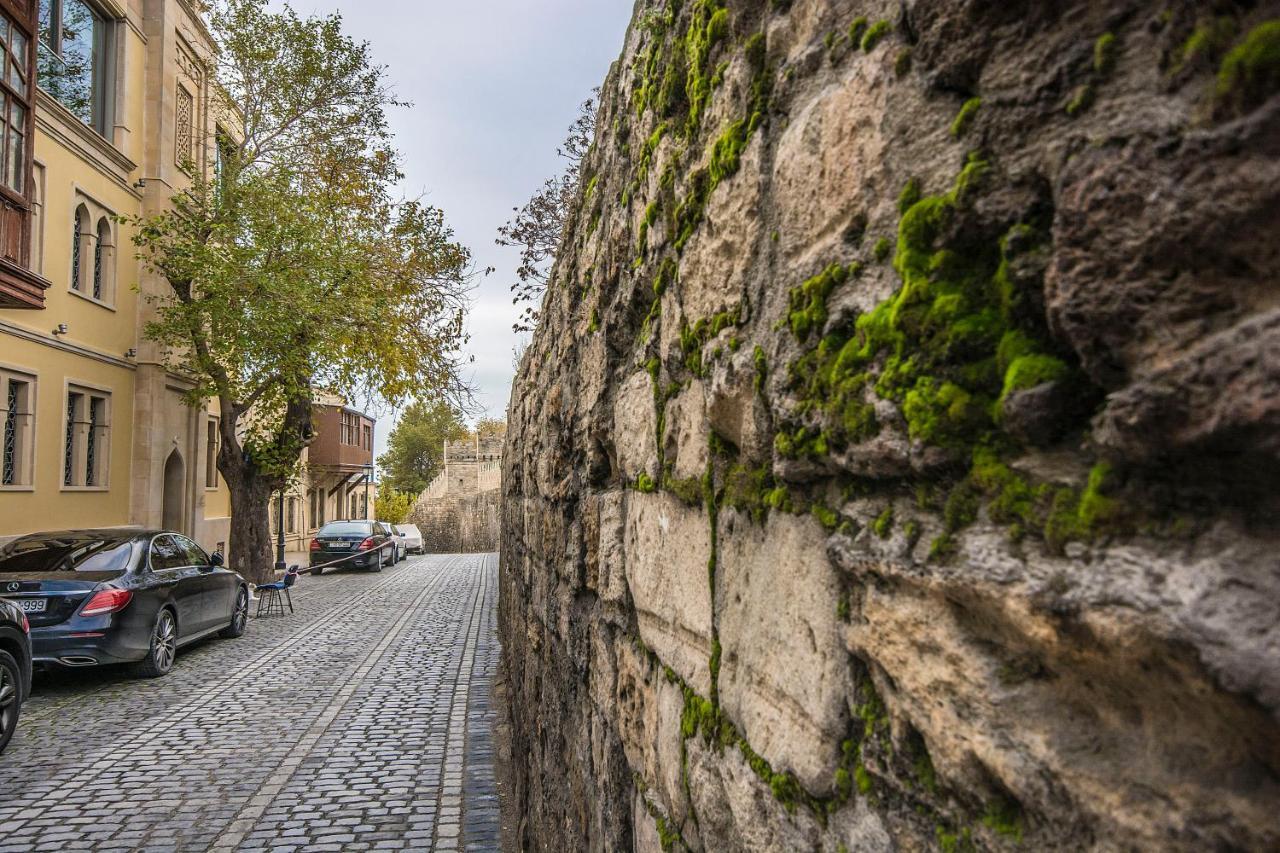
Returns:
<point x="494" y="87"/>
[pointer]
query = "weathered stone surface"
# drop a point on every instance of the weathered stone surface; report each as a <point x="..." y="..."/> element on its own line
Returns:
<point x="994" y="563"/>
<point x="784" y="674"/>
<point x="668" y="546"/>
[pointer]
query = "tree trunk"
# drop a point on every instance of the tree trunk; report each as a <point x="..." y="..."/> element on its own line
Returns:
<point x="252" y="545"/>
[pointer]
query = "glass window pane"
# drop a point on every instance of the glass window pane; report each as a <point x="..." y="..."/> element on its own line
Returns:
<point x="14" y="171"/>
<point x="18" y="47"/>
<point x="5" y="28"/>
<point x="16" y="79"/>
<point x="69" y="77"/>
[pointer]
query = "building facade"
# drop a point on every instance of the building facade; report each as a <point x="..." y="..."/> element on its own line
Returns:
<point x="109" y="114"/>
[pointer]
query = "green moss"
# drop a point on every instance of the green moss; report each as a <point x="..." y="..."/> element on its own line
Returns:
<point x="645" y="484"/>
<point x="909" y="196"/>
<point x="694" y="338"/>
<point x="1104" y="54"/>
<point x="1206" y="42"/>
<point x="668" y="835"/>
<point x="911" y="530"/>
<point x="1028" y="371"/>
<point x="726" y="153"/>
<point x="874" y="34"/>
<point x="825" y="516"/>
<point x="883" y="525"/>
<point x="1250" y="72"/>
<point x="591" y="187"/>
<point x="667" y="271"/>
<point x="687" y="489"/>
<point x="882" y="250"/>
<point x="778" y="498"/>
<point x="965" y="117"/>
<point x="1003" y="815"/>
<point x="857" y="29"/>
<point x="902" y="63"/>
<point x="950" y="841"/>
<point x="761" y="369"/>
<point x="708" y="27"/>
<point x="594" y="325"/>
<point x="1081" y="100"/>
<point x="808" y="302"/>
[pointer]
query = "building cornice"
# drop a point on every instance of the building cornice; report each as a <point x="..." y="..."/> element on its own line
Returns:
<point x="17" y="331"/>
<point x="59" y="122"/>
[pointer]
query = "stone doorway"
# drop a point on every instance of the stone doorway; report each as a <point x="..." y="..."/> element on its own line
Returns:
<point x="174" y="488"/>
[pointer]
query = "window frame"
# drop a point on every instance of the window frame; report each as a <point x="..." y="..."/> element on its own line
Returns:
<point x="102" y="83"/>
<point x="213" y="439"/>
<point x="25" y="453"/>
<point x="14" y="10"/>
<point x="76" y="447"/>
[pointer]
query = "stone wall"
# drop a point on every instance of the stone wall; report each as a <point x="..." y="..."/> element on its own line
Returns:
<point x="459" y="511"/>
<point x="894" y="465"/>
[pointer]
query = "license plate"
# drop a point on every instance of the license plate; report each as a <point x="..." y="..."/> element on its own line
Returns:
<point x="33" y="605"/>
<point x="335" y="546"/>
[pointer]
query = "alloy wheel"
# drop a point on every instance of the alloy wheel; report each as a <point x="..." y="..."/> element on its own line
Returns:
<point x="8" y="702"/>
<point x="242" y="611"/>
<point x="164" y="643"/>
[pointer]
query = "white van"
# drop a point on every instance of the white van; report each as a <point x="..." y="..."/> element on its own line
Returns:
<point x="410" y="538"/>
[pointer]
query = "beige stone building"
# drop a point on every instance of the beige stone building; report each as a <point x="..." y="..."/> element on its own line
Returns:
<point x="95" y="431"/>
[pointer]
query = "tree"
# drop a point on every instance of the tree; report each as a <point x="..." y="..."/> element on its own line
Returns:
<point x="415" y="446"/>
<point x="392" y="506"/>
<point x="490" y="428"/>
<point x="538" y="225"/>
<point x="291" y="267"/>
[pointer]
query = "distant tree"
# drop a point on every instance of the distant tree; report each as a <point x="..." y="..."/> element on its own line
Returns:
<point x="537" y="227"/>
<point x="291" y="266"/>
<point x="490" y="428"/>
<point x="415" y="446"/>
<point x="392" y="506"/>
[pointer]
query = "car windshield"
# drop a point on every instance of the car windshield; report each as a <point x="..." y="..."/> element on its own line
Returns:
<point x="70" y="554"/>
<point x="345" y="528"/>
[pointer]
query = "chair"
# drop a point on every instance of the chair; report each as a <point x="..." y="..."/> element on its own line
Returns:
<point x="274" y="595"/>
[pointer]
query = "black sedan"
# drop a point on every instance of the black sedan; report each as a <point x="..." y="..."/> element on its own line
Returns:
<point x="364" y="544"/>
<point x="15" y="667"/>
<point x="120" y="596"/>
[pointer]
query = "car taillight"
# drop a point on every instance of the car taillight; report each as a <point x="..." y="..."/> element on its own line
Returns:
<point x="26" y="626"/>
<point x="315" y="545"/>
<point x="366" y="544"/>
<point x="107" y="601"/>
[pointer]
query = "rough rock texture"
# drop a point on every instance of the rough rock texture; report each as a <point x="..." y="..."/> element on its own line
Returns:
<point x="895" y="465"/>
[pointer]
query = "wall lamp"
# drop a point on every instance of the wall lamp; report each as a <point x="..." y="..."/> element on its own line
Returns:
<point x="60" y="329"/>
<point x="131" y="352"/>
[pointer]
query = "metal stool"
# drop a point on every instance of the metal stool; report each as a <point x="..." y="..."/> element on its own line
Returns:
<point x="273" y="596"/>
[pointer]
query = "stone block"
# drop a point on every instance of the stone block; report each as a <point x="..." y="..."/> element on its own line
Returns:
<point x="784" y="672"/>
<point x="668" y="546"/>
<point x="635" y="427"/>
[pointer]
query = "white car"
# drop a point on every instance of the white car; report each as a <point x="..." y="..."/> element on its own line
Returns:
<point x="410" y="538"/>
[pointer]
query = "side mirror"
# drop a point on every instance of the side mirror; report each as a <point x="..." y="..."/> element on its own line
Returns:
<point x="216" y="559"/>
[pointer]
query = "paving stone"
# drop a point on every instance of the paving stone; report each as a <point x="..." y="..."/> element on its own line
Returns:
<point x="359" y="722"/>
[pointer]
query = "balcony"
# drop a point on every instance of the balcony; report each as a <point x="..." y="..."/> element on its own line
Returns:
<point x="344" y="440"/>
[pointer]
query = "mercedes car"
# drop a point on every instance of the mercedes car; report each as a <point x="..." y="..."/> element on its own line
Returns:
<point x="119" y="596"/>
<point x="15" y="667"/>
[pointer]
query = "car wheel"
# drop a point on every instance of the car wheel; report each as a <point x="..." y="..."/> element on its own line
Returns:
<point x="239" y="618"/>
<point x="377" y="566"/>
<point x="10" y="697"/>
<point x="163" y="649"/>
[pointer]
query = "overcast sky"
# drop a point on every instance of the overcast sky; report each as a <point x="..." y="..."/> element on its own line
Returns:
<point x="494" y="87"/>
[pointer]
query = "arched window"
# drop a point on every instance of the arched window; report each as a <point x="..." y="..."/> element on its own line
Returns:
<point x="77" y="248"/>
<point x="102" y="262"/>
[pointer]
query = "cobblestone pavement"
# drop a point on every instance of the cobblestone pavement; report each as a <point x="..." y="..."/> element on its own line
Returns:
<point x="361" y="722"/>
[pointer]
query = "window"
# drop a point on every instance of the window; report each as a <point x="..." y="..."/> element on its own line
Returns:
<point x="195" y="554"/>
<point x="73" y="62"/>
<point x="86" y="439"/>
<point x="37" y="218"/>
<point x="166" y="554"/>
<point x="211" y="454"/>
<point x="183" y="113"/>
<point x="291" y="515"/>
<point x="367" y="437"/>
<point x="103" y="266"/>
<point x="77" y="248"/>
<point x="14" y="104"/>
<point x="350" y="428"/>
<point x="17" y="394"/>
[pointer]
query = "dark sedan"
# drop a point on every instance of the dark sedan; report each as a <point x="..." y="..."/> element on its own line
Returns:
<point x="120" y="596"/>
<point x="363" y="544"/>
<point x="15" y="667"/>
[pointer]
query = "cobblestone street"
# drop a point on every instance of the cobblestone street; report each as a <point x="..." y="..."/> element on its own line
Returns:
<point x="361" y="722"/>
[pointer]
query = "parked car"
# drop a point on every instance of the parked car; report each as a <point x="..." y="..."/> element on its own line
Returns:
<point x="364" y="544"/>
<point x="402" y="551"/>
<point x="411" y="536"/>
<point x="120" y="596"/>
<point x="15" y="667"/>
